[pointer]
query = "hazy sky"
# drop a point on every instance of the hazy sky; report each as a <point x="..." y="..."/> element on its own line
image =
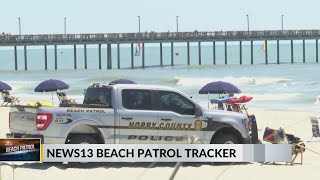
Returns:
<point x="89" y="16"/>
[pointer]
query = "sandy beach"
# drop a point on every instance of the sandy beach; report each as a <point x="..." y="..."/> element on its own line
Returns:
<point x="296" y="123"/>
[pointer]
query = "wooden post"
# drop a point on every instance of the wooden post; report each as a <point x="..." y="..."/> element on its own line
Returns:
<point x="278" y="53"/>
<point x="225" y="53"/>
<point x="292" y="51"/>
<point x="99" y="48"/>
<point x="45" y="57"/>
<point x="143" y="55"/>
<point x="25" y="58"/>
<point x="240" y="50"/>
<point x="172" y="54"/>
<point x="199" y="46"/>
<point x="214" y="52"/>
<point x="15" y="58"/>
<point x="85" y="57"/>
<point x="75" y="56"/>
<point x="161" y="60"/>
<point x="132" y="63"/>
<point x="118" y="55"/>
<point x="188" y="53"/>
<point x="55" y="58"/>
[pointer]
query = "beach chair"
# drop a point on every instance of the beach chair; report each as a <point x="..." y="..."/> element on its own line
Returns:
<point x="63" y="98"/>
<point x="8" y="99"/>
<point x="279" y="136"/>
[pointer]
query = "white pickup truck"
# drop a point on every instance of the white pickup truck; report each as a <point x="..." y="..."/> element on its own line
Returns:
<point x="129" y="113"/>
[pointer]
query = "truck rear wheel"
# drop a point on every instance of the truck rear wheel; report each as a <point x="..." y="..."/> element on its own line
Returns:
<point x="82" y="139"/>
<point x="225" y="139"/>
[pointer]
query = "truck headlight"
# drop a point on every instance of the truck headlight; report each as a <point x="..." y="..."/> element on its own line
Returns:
<point x="247" y="124"/>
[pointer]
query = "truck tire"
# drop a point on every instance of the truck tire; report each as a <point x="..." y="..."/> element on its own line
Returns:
<point x="225" y="139"/>
<point x="254" y="133"/>
<point x="82" y="139"/>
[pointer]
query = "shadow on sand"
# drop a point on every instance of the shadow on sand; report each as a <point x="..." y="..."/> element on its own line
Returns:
<point x="106" y="165"/>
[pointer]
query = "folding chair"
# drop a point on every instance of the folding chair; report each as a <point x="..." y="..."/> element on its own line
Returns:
<point x="315" y="127"/>
<point x="7" y="99"/>
<point x="275" y="136"/>
<point x="63" y="98"/>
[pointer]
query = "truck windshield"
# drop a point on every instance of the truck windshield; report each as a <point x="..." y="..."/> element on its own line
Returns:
<point x="98" y="96"/>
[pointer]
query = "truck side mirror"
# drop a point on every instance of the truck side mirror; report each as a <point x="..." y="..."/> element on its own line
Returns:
<point x="198" y="111"/>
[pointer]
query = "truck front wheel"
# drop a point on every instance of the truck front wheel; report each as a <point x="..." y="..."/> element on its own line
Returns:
<point x="224" y="139"/>
<point x="82" y="139"/>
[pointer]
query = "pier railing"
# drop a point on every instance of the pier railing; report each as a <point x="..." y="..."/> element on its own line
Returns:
<point x="41" y="39"/>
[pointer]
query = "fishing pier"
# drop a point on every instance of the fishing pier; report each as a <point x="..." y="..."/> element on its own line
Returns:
<point x="156" y="37"/>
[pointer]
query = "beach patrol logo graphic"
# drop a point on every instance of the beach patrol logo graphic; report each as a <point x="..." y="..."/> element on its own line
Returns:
<point x="198" y="125"/>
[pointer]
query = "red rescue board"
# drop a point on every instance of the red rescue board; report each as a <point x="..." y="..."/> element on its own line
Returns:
<point x="242" y="99"/>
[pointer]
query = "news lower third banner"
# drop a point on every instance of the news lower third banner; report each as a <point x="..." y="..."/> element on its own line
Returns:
<point x="166" y="153"/>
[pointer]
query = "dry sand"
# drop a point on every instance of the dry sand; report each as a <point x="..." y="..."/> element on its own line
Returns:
<point x="296" y="123"/>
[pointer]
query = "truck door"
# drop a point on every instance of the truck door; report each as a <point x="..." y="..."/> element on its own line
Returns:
<point x="137" y="119"/>
<point x="177" y="121"/>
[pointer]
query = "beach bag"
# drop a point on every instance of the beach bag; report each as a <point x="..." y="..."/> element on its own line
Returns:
<point x="274" y="136"/>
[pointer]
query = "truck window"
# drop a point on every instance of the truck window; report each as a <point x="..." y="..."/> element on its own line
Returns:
<point x="171" y="101"/>
<point x="98" y="96"/>
<point x="136" y="99"/>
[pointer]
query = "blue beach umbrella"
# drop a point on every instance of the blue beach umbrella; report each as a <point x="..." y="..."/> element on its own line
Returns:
<point x="122" y="81"/>
<point x="219" y="87"/>
<point x="4" y="86"/>
<point x="51" y="85"/>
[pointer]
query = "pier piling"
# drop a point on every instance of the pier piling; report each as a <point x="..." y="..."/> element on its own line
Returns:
<point x="85" y="56"/>
<point x="109" y="56"/>
<point x="99" y="49"/>
<point x="251" y="52"/>
<point x="266" y="51"/>
<point x="278" y="53"/>
<point x="188" y="53"/>
<point x="317" y="57"/>
<point x="214" y="52"/>
<point x="118" y="55"/>
<point x="240" y="51"/>
<point x="15" y="58"/>
<point x="143" y="55"/>
<point x="75" y="56"/>
<point x="199" y="46"/>
<point x="161" y="60"/>
<point x="304" y="51"/>
<point x="225" y="53"/>
<point x="45" y="57"/>
<point x="292" y="51"/>
<point x="25" y="58"/>
<point x="55" y="58"/>
<point x="132" y="64"/>
<point x="172" y="54"/>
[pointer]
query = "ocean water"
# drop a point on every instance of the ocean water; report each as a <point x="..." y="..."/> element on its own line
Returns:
<point x="285" y="87"/>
